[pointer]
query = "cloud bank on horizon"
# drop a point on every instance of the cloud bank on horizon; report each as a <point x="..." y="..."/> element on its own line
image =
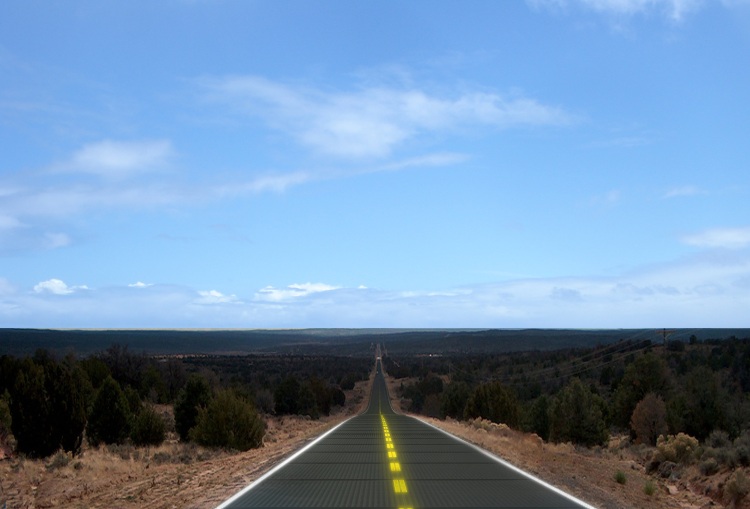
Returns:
<point x="554" y="163"/>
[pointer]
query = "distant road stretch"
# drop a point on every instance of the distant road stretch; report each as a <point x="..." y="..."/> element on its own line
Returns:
<point x="381" y="459"/>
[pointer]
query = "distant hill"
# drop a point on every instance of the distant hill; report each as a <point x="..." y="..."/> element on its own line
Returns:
<point x="344" y="342"/>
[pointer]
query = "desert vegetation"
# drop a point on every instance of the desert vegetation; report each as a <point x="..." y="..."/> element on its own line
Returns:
<point x="683" y="407"/>
<point x="52" y="405"/>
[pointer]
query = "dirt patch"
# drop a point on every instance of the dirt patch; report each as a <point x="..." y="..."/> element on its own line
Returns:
<point x="173" y="475"/>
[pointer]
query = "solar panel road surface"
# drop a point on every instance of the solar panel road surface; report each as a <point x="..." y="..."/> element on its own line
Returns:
<point x="381" y="459"/>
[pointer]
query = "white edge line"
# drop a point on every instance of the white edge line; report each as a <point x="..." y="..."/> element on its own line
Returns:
<point x="278" y="467"/>
<point x="512" y="467"/>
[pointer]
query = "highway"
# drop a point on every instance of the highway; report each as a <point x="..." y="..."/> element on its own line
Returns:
<point x="381" y="459"/>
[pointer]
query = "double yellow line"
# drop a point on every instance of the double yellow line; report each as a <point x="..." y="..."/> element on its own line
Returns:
<point x="399" y="483"/>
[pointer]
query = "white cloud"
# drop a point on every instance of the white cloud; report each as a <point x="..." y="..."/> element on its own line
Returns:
<point x="374" y="121"/>
<point x="214" y="297"/>
<point x="294" y="291"/>
<point x="57" y="287"/>
<point x="711" y="290"/>
<point x="119" y="159"/>
<point x="726" y="238"/>
<point x="139" y="284"/>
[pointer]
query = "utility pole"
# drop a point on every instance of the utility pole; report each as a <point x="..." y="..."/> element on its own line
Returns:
<point x="665" y="335"/>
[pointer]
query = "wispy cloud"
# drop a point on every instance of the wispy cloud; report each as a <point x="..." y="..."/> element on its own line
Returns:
<point x="683" y="191"/>
<point x="703" y="291"/>
<point x="723" y="238"/>
<point x="675" y="10"/>
<point x="29" y="204"/>
<point x="608" y="199"/>
<point x="372" y="121"/>
<point x="294" y="291"/>
<point x="115" y="159"/>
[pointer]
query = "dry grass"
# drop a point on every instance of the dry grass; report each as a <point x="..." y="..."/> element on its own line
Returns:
<point x="588" y="474"/>
<point x="177" y="475"/>
<point x="173" y="475"/>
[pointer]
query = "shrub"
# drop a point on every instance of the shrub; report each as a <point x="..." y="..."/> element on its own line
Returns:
<point x="59" y="460"/>
<point x="718" y="439"/>
<point x="264" y="401"/>
<point x="737" y="487"/>
<point x="742" y="448"/>
<point x="148" y="427"/>
<point x="709" y="466"/>
<point x="620" y="477"/>
<point x="649" y="488"/>
<point x="679" y="449"/>
<point x="229" y="421"/>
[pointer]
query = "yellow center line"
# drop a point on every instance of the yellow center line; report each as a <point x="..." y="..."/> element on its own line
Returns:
<point x="399" y="483"/>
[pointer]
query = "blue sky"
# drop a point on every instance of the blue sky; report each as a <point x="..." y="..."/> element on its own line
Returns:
<point x="548" y="163"/>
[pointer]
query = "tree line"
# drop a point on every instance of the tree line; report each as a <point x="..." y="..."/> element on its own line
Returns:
<point x="49" y="404"/>
<point x="582" y="395"/>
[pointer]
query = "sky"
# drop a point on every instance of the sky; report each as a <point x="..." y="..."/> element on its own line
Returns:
<point x="255" y="164"/>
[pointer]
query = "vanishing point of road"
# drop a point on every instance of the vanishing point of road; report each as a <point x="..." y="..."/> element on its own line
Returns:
<point x="381" y="459"/>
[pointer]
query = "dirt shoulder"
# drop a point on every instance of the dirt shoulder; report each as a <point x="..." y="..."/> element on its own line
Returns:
<point x="173" y="475"/>
<point x="588" y="474"/>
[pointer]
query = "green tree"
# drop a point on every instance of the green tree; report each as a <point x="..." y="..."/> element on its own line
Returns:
<point x="649" y="373"/>
<point x="293" y="397"/>
<point x="71" y="394"/>
<point x="153" y="388"/>
<point x="110" y="417"/>
<point x="454" y="399"/>
<point x="495" y="402"/>
<point x="148" y="427"/>
<point x="348" y="381"/>
<point x="537" y="418"/>
<point x="705" y="403"/>
<point x="195" y="395"/>
<point x="576" y="415"/>
<point x="307" y="404"/>
<point x="48" y="406"/>
<point x="323" y="395"/>
<point x="6" y="420"/>
<point x="96" y="371"/>
<point x="229" y="421"/>
<point x="134" y="400"/>
<point x="31" y="408"/>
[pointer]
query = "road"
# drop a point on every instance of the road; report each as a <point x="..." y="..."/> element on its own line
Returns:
<point x="381" y="459"/>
